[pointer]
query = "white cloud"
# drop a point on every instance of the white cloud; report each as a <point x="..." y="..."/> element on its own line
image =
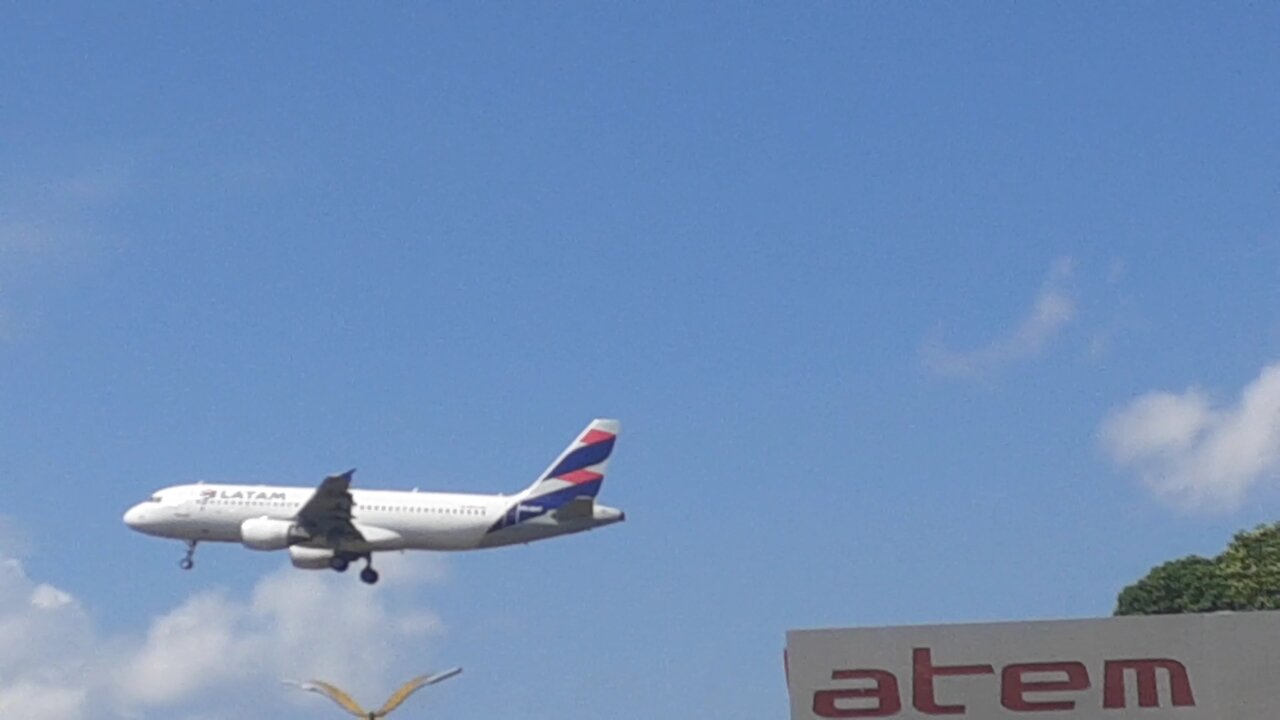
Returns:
<point x="48" y="597"/>
<point x="35" y="701"/>
<point x="43" y="644"/>
<point x="214" y="655"/>
<point x="1194" y="454"/>
<point x="295" y="624"/>
<point x="1053" y="308"/>
<point x="192" y="647"/>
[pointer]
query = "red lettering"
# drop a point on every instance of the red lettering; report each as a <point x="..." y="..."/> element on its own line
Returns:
<point x="1113" y="688"/>
<point x="1019" y="684"/>
<point x="924" y="671"/>
<point x="1014" y="686"/>
<point x="888" y="701"/>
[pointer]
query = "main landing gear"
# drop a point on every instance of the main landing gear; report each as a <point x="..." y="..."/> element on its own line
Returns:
<point x="340" y="563"/>
<point x="189" y="562"/>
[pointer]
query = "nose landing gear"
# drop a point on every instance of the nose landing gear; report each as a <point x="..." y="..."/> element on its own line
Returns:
<point x="189" y="562"/>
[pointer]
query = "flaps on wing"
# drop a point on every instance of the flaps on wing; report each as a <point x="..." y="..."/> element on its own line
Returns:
<point x="327" y="514"/>
<point x="376" y="538"/>
<point x="579" y="507"/>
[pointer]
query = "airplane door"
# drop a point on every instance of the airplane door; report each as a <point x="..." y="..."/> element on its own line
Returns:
<point x="184" y="508"/>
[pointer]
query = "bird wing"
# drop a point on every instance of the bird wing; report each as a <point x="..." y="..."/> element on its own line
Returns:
<point x="411" y="687"/>
<point x="336" y="695"/>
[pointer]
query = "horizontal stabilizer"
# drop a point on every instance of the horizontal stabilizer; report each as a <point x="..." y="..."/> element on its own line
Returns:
<point x="577" y="508"/>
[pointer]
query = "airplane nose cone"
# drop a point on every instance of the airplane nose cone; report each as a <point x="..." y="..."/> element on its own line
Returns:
<point x="133" y="517"/>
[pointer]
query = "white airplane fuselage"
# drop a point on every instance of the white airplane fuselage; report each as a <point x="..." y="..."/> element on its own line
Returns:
<point x="422" y="520"/>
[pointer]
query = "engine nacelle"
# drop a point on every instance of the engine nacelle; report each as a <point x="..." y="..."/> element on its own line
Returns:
<point x="306" y="558"/>
<point x="264" y="533"/>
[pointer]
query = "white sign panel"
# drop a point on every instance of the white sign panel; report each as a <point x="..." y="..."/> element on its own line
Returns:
<point x="1223" y="666"/>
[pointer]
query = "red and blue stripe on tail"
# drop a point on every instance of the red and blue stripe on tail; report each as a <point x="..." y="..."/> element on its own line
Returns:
<point x="577" y="473"/>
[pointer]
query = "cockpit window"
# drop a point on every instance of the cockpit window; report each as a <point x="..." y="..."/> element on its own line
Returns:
<point x="154" y="499"/>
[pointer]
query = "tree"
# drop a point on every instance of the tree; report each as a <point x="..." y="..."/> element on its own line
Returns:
<point x="1246" y="576"/>
<point x="1251" y="568"/>
<point x="1192" y="584"/>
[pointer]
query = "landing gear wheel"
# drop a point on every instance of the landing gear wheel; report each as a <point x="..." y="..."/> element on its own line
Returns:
<point x="369" y="575"/>
<point x="339" y="564"/>
<point x="189" y="562"/>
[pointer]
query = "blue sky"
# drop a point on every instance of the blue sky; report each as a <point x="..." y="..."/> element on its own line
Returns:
<point x="911" y="313"/>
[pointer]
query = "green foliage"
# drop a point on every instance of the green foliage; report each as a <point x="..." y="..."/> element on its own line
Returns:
<point x="1190" y="585"/>
<point x="1246" y="576"/>
<point x="1251" y="568"/>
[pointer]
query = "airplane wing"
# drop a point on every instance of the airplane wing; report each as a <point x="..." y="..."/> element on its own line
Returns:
<point x="327" y="514"/>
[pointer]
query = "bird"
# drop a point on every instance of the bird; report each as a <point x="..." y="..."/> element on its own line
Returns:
<point x="399" y="696"/>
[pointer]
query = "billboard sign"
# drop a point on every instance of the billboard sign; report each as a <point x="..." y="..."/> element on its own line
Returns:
<point x="1223" y="666"/>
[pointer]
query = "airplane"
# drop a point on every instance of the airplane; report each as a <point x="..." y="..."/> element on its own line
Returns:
<point x="331" y="526"/>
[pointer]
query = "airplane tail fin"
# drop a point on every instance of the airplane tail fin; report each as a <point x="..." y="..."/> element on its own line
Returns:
<point x="579" y="471"/>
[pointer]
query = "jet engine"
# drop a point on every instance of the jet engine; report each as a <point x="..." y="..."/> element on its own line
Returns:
<point x="264" y="533"/>
<point x="306" y="558"/>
